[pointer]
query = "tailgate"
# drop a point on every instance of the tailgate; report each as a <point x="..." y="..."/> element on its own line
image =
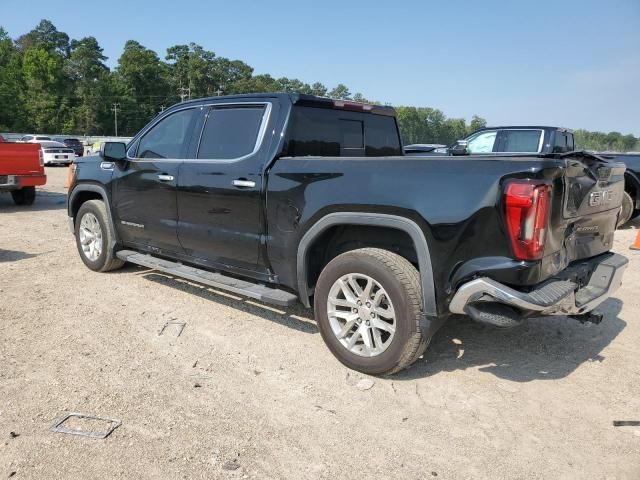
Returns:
<point x="20" y="159"/>
<point x="591" y="198"/>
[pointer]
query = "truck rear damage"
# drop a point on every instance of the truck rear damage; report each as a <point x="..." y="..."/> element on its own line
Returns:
<point x="564" y="227"/>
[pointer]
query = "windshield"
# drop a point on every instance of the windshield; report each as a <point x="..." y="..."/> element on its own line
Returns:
<point x="482" y="142"/>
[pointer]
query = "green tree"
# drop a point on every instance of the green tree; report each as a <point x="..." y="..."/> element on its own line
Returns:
<point x="45" y="35"/>
<point x="11" y="85"/>
<point x="293" y="85"/>
<point x="199" y="70"/>
<point x="429" y="125"/>
<point x="141" y="87"/>
<point x="44" y="81"/>
<point x="90" y="87"/>
<point x="340" y="92"/>
<point x="358" y="97"/>
<point x="226" y="73"/>
<point x="257" y="84"/>
<point x="318" y="89"/>
<point x="476" y="124"/>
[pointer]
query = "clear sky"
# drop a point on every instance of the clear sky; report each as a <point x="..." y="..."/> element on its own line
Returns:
<point x="573" y="63"/>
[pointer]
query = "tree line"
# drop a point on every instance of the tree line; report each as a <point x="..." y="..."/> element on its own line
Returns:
<point x="51" y="83"/>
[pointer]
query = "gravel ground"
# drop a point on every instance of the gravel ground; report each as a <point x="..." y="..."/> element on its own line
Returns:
<point x="249" y="391"/>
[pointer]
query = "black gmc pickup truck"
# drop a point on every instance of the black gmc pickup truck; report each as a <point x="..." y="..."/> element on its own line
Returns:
<point x="287" y="198"/>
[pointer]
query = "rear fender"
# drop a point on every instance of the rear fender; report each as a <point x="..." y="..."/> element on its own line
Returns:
<point x="429" y="308"/>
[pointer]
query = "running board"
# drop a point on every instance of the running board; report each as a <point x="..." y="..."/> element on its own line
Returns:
<point x="274" y="296"/>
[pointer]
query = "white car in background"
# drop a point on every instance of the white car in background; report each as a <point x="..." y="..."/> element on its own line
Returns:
<point x="54" y="153"/>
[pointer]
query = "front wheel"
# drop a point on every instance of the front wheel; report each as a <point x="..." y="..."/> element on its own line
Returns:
<point x="368" y="307"/>
<point x="24" y="196"/>
<point x="94" y="237"/>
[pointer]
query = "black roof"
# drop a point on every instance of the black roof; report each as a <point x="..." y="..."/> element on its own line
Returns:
<point x="295" y="98"/>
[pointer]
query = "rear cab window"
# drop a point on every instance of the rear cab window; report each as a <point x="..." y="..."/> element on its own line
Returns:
<point x="328" y="132"/>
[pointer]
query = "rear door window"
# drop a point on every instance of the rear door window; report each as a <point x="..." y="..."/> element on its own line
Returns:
<point x="231" y="132"/>
<point x="169" y="138"/>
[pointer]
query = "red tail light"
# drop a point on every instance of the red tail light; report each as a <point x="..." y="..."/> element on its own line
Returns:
<point x="527" y="212"/>
<point x="357" y="107"/>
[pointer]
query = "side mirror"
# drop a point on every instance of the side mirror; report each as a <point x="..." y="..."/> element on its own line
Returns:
<point x="460" y="148"/>
<point x="113" y="151"/>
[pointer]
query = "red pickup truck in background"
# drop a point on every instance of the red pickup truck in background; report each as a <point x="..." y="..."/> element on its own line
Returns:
<point x="21" y="170"/>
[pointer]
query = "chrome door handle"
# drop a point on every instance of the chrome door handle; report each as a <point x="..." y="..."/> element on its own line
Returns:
<point x="244" y="183"/>
<point x="165" y="178"/>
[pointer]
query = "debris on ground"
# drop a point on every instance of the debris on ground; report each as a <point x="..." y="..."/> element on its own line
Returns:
<point x="365" y="384"/>
<point x="231" y="465"/>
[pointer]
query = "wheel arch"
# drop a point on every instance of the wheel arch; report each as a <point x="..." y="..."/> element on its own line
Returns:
<point x="396" y="222"/>
<point x="83" y="193"/>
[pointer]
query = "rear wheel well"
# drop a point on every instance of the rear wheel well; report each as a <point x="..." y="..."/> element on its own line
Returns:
<point x="339" y="239"/>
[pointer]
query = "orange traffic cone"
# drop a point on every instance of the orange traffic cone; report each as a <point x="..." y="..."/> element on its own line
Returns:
<point x="636" y="244"/>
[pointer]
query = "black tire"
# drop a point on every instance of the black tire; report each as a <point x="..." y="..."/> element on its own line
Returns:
<point x="401" y="281"/>
<point x="106" y="261"/>
<point x="626" y="210"/>
<point x="24" y="196"/>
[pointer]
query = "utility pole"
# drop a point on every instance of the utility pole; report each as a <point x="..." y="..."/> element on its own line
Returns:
<point x="184" y="92"/>
<point x="115" y="108"/>
<point x="219" y="91"/>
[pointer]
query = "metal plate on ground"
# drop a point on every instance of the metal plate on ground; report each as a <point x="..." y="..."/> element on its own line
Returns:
<point x="106" y="425"/>
<point x="178" y="327"/>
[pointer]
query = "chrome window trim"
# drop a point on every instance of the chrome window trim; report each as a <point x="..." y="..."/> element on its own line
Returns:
<point x="266" y="116"/>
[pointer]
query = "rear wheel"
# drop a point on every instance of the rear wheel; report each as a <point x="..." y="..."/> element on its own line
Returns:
<point x="24" y="196"/>
<point x="94" y="237"/>
<point x="368" y="306"/>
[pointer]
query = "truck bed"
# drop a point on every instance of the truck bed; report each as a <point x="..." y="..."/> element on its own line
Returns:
<point x="467" y="237"/>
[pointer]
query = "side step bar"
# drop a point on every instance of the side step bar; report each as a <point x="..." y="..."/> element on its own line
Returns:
<point x="265" y="294"/>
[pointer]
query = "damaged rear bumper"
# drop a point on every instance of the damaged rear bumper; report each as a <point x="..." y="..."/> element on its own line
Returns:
<point x="576" y="291"/>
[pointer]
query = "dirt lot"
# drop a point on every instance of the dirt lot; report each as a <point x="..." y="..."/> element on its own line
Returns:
<point x="249" y="391"/>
